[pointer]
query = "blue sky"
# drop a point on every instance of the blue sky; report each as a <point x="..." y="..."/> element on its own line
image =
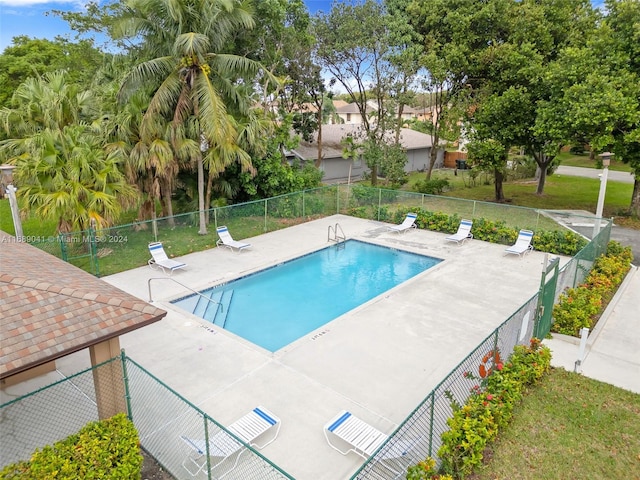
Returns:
<point x="27" y="17"/>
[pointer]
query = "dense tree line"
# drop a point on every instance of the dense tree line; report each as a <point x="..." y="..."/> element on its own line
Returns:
<point x="196" y="100"/>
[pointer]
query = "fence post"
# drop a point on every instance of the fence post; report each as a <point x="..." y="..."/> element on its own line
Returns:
<point x="379" y="203"/>
<point x="431" y="424"/>
<point x="206" y="442"/>
<point x="93" y="248"/>
<point x="125" y="380"/>
<point x="63" y="247"/>
<point x="265" y="214"/>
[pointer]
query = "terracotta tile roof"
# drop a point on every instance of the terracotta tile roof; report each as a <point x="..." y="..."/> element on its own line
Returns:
<point x="50" y="308"/>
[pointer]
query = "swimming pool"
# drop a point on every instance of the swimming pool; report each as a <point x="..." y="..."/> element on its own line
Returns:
<point x="276" y="306"/>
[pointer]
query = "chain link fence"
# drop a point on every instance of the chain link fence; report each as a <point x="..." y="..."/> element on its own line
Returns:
<point x="161" y="417"/>
<point x="418" y="437"/>
<point x="172" y="429"/>
<point x="576" y="270"/>
<point x="123" y="247"/>
<point x="49" y="414"/>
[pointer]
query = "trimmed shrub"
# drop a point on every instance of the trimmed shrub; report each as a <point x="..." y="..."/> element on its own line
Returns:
<point x="490" y="408"/>
<point x="433" y="186"/>
<point x="582" y="306"/>
<point x="104" y="450"/>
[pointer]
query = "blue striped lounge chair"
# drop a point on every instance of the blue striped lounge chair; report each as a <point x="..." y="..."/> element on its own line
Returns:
<point x="408" y="223"/>
<point x="230" y="442"/>
<point x="522" y="245"/>
<point x="463" y="233"/>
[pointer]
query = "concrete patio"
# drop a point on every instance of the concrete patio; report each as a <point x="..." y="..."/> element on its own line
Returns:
<point x="378" y="361"/>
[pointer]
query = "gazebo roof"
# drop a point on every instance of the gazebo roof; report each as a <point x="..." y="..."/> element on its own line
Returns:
<point x="50" y="308"/>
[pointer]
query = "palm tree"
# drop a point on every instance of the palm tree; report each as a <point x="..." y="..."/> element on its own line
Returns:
<point x="43" y="102"/>
<point x="63" y="168"/>
<point x="192" y="77"/>
<point x="151" y="164"/>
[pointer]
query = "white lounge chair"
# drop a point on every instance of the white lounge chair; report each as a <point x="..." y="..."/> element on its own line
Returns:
<point x="365" y="440"/>
<point x="228" y="241"/>
<point x="463" y="233"/>
<point x="223" y="446"/>
<point x="409" y="222"/>
<point x="160" y="260"/>
<point x="523" y="243"/>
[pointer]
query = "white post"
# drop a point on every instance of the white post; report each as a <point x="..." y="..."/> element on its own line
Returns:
<point x="606" y="156"/>
<point x="15" y="213"/>
<point x="584" y="334"/>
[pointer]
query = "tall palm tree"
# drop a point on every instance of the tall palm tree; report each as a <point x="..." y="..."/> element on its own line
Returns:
<point x="43" y="102"/>
<point x="192" y="77"/>
<point x="151" y="165"/>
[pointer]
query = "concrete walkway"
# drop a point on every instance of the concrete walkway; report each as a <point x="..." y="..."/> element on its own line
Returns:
<point x="612" y="350"/>
<point x="612" y="175"/>
<point x="612" y="353"/>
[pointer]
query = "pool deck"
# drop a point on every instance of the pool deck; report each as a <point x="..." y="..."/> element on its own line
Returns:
<point x="378" y="361"/>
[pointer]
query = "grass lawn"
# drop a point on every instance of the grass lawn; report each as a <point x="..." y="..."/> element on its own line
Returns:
<point x="569" y="427"/>
<point x="560" y="192"/>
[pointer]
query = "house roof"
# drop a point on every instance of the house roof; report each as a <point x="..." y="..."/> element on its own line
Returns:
<point x="50" y="308"/>
<point x="352" y="108"/>
<point x="332" y="136"/>
<point x="410" y="109"/>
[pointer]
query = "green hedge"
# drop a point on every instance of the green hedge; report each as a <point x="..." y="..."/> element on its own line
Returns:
<point x="581" y="307"/>
<point x="556" y="242"/>
<point x="104" y="450"/>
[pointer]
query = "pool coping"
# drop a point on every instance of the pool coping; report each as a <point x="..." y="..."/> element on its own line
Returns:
<point x="377" y="361"/>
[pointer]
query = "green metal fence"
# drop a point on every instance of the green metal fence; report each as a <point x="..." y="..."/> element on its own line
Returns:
<point x="47" y="415"/>
<point x="575" y="272"/>
<point x="123" y="247"/>
<point x="418" y="436"/>
<point x="160" y="415"/>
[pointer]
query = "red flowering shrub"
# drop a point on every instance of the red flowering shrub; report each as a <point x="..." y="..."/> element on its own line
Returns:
<point x="488" y="409"/>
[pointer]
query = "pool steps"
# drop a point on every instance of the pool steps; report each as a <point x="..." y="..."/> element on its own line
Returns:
<point x="214" y="306"/>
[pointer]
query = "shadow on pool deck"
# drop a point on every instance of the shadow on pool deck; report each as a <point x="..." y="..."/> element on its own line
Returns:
<point x="378" y="361"/>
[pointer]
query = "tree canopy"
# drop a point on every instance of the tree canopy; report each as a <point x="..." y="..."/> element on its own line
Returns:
<point x="201" y="88"/>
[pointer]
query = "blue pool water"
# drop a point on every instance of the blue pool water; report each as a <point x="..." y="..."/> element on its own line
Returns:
<point x="276" y="306"/>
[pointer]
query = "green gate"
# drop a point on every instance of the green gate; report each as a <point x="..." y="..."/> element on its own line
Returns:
<point x="546" y="298"/>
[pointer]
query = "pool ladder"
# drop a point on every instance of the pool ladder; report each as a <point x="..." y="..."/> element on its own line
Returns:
<point x="338" y="234"/>
<point x="222" y="304"/>
<point x="219" y="303"/>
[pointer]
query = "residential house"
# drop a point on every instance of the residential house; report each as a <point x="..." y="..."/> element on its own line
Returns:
<point x="336" y="168"/>
<point x="350" y="114"/>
